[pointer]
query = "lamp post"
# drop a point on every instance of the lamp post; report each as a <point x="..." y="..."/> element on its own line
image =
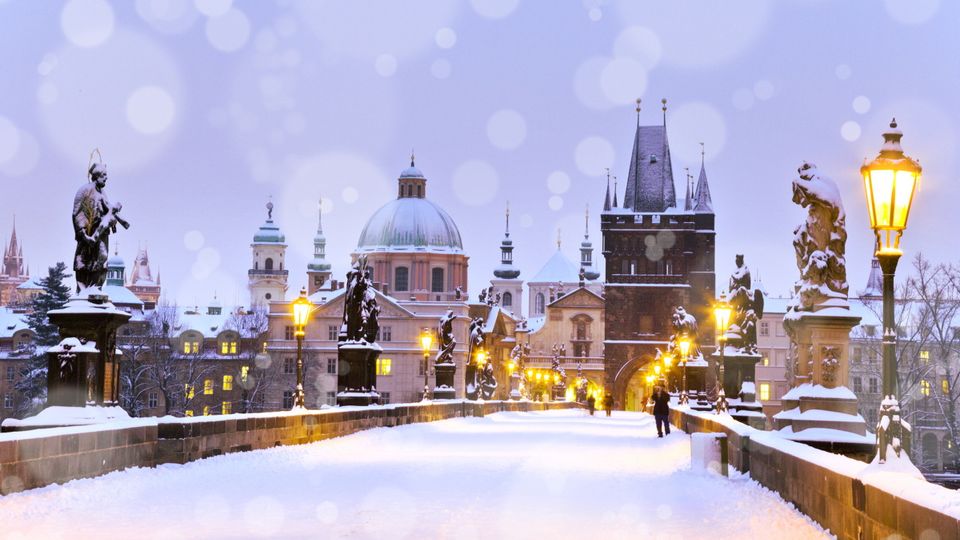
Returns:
<point x="426" y="343"/>
<point x="667" y="364"/>
<point x="890" y="181"/>
<point x="721" y="313"/>
<point x="301" y="308"/>
<point x="684" y="345"/>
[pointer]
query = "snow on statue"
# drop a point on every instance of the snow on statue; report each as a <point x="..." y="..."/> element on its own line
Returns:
<point x="94" y="219"/>
<point x="820" y="242"/>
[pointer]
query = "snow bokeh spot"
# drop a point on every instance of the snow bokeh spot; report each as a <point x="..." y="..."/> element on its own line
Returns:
<point x="264" y="516"/>
<point x="208" y="260"/>
<point x="526" y="221"/>
<point x="743" y="98"/>
<point x="25" y="159"/>
<point x="593" y="155"/>
<point x="555" y="202"/>
<point x="9" y="139"/>
<point x="228" y="32"/>
<point x="494" y="9"/>
<point x="167" y="16"/>
<point x="212" y="513"/>
<point x="763" y="89"/>
<point x="912" y="12"/>
<point x="446" y="38"/>
<point x="861" y="104"/>
<point x="843" y="72"/>
<point x="558" y="182"/>
<point x="622" y="80"/>
<point x="595" y="14"/>
<point x="47" y="64"/>
<point x="586" y="83"/>
<point x="193" y="240"/>
<point x="475" y="182"/>
<point x="327" y="512"/>
<point x="692" y="123"/>
<point x="640" y="44"/>
<point x="385" y="65"/>
<point x="441" y="68"/>
<point x="150" y="109"/>
<point x="349" y="195"/>
<point x="850" y="130"/>
<point x="213" y="8"/>
<point x="506" y="129"/>
<point x="87" y="23"/>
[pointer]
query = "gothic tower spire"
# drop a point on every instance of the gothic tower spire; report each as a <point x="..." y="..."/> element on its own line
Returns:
<point x="586" y="249"/>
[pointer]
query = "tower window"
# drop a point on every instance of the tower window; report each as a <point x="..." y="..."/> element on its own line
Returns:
<point x="437" y="284"/>
<point x="268" y="264"/>
<point x="507" y="300"/>
<point x="540" y="306"/>
<point x="401" y="281"/>
<point x="420" y="191"/>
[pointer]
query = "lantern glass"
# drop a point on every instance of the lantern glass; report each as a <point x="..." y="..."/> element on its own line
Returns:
<point x="301" y="310"/>
<point x="426" y="340"/>
<point x="722" y="315"/>
<point x="684" y="347"/>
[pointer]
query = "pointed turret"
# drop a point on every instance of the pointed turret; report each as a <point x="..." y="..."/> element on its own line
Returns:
<point x="318" y="269"/>
<point x="703" y="202"/>
<point x="13" y="255"/>
<point x="874" y="287"/>
<point x="606" y="198"/>
<point x="586" y="250"/>
<point x="615" y="203"/>
<point x="506" y="270"/>
<point x="650" y="185"/>
<point x="688" y="200"/>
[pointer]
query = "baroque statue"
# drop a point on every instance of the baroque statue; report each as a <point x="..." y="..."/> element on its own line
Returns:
<point x="94" y="219"/>
<point x="447" y="342"/>
<point x="360" y="309"/>
<point x="746" y="306"/>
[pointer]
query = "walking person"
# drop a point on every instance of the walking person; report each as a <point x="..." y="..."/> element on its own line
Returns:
<point x="591" y="404"/>
<point x="661" y="410"/>
<point x="608" y="403"/>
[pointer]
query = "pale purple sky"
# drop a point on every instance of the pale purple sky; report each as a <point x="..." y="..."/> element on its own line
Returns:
<point x="204" y="108"/>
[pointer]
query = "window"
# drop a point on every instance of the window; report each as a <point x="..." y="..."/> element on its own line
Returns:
<point x="872" y="355"/>
<point x="384" y="398"/>
<point x="188" y="391"/>
<point x="436" y="280"/>
<point x="539" y="305"/>
<point x="288" y="333"/>
<point x="764" y="391"/>
<point x="331" y="398"/>
<point x="386" y="333"/>
<point x="924" y="388"/>
<point x="191" y="345"/>
<point x="332" y="366"/>
<point x="289" y="366"/>
<point x="420" y="368"/>
<point x="208" y="387"/>
<point x="857" y="384"/>
<point x="857" y="354"/>
<point x="764" y="328"/>
<point x="945" y="386"/>
<point x="870" y="330"/>
<point x="10" y="373"/>
<point x="873" y="385"/>
<point x="268" y="264"/>
<point x="244" y="373"/>
<point x="333" y="332"/>
<point x="925" y="357"/>
<point x="401" y="279"/>
<point x="226" y="407"/>
<point x="384" y="366"/>
<point x="188" y="412"/>
<point x="507" y="300"/>
<point x="780" y="331"/>
<point x="153" y="400"/>
<point x="288" y="399"/>
<point x="228" y="382"/>
<point x="8" y="401"/>
<point x="228" y="347"/>
<point x="766" y="360"/>
<point x="206" y="410"/>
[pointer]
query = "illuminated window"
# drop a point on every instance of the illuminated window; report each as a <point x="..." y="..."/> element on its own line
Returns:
<point x="228" y="347"/>
<point x="188" y="412"/>
<point x="764" y="391"/>
<point x="208" y="387"/>
<point x="188" y="390"/>
<point x="244" y="373"/>
<point x="264" y="347"/>
<point x="206" y="410"/>
<point x="925" y="388"/>
<point x="226" y="407"/>
<point x="925" y="357"/>
<point x="945" y="386"/>
<point x="384" y="366"/>
<point x="766" y="361"/>
<point x="191" y="345"/>
<point x="228" y="382"/>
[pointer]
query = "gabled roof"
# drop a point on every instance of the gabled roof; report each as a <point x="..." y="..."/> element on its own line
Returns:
<point x="650" y="185"/>
<point x="703" y="203"/>
<point x="558" y="268"/>
<point x="579" y="297"/>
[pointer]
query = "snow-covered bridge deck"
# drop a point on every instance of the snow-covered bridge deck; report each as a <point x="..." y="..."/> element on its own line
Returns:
<point x="556" y="474"/>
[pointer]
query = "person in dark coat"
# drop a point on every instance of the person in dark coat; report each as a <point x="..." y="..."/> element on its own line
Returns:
<point x="608" y="403"/>
<point x="661" y="410"/>
<point x="591" y="404"/>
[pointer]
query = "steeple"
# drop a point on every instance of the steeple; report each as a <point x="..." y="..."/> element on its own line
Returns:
<point x="688" y="200"/>
<point x="586" y="249"/>
<point x="703" y="203"/>
<point x="650" y="185"/>
<point x="874" y="287"/>
<point x="606" y="198"/>
<point x="506" y="270"/>
<point x="13" y="255"/>
<point x="412" y="183"/>
<point x="318" y="269"/>
<point x="615" y="204"/>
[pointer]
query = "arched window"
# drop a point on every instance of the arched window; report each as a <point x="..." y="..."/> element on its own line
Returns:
<point x="507" y="299"/>
<point x="581" y="329"/>
<point x="436" y="280"/>
<point x="401" y="279"/>
<point x="419" y="191"/>
<point x="409" y="190"/>
<point x="268" y="264"/>
<point x="539" y="306"/>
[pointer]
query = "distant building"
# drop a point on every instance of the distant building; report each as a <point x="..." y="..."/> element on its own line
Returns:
<point x="16" y="339"/>
<point x="142" y="282"/>
<point x="267" y="277"/>
<point x="14" y="271"/>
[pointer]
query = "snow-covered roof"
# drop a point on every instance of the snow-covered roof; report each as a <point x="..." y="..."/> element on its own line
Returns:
<point x="534" y="324"/>
<point x="410" y="224"/>
<point x="11" y="323"/>
<point x="322" y="297"/>
<point x="209" y="325"/>
<point x="558" y="268"/>
<point x="122" y="296"/>
<point x="31" y="284"/>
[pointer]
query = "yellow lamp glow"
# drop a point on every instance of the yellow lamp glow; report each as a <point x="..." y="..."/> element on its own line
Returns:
<point x="300" y="310"/>
<point x="667" y="361"/>
<point x="684" y="348"/>
<point x="539" y="375"/>
<point x="650" y="379"/>
<point x="890" y="181"/>
<point x="656" y="369"/>
<point x="426" y="340"/>
<point x="721" y="313"/>
<point x="481" y="358"/>
<point x="529" y="373"/>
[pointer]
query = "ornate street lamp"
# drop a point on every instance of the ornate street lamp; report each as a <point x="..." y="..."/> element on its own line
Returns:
<point x="684" y="345"/>
<point x="426" y="343"/>
<point x="890" y="181"/>
<point x="300" y="310"/>
<point x="721" y="314"/>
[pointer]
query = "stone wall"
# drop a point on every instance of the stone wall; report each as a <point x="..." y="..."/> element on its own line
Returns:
<point x="827" y="488"/>
<point x="37" y="458"/>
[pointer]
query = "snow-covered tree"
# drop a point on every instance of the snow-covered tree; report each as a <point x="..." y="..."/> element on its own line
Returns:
<point x="54" y="293"/>
<point x="263" y="374"/>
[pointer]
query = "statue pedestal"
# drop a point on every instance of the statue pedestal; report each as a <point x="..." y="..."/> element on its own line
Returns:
<point x="357" y="378"/>
<point x="558" y="392"/>
<point x="739" y="376"/>
<point x="445" y="388"/>
<point x="88" y="325"/>
<point x="471" y="386"/>
<point x="820" y="410"/>
<point x="514" y="386"/>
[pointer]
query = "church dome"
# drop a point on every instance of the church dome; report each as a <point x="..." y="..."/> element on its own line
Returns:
<point x="410" y="224"/>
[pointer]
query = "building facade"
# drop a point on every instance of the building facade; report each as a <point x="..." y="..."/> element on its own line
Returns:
<point x="14" y="271"/>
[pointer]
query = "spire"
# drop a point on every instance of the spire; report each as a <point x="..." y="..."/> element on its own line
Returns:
<point x="506" y="270"/>
<point x="506" y="233"/>
<point x="615" y="192"/>
<point x="874" y="287"/>
<point x="664" y="108"/>
<point x="586" y="223"/>
<point x="638" y="112"/>
<point x="688" y="200"/>
<point x="319" y="262"/>
<point x="650" y="185"/>
<point x="320" y="216"/>
<point x="606" y="198"/>
<point x="413" y="158"/>
<point x="586" y="248"/>
<point x="558" y="238"/>
<point x="703" y="203"/>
